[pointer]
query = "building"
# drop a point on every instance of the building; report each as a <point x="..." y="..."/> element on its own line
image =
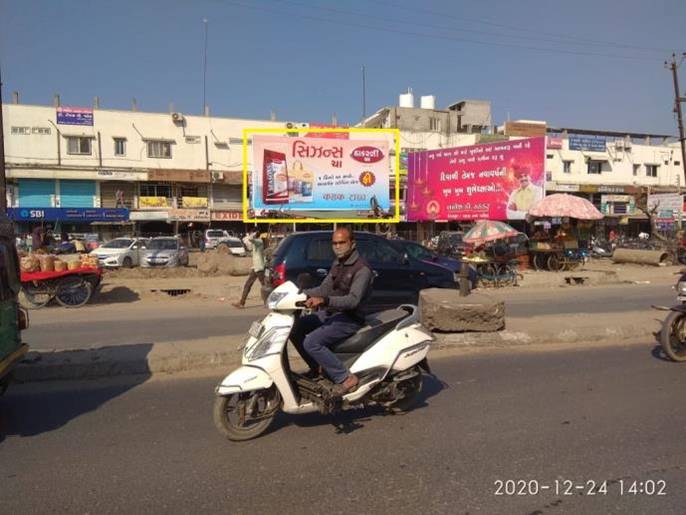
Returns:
<point x="116" y="172"/>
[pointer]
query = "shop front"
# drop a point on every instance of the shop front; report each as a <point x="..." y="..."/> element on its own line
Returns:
<point x="66" y="220"/>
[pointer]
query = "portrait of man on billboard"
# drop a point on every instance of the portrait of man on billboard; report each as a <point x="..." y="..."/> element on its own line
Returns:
<point x="524" y="196"/>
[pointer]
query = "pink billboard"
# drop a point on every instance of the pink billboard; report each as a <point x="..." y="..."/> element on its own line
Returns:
<point x="495" y="181"/>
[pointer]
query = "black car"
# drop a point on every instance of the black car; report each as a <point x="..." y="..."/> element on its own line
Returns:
<point x="398" y="277"/>
<point x="420" y="252"/>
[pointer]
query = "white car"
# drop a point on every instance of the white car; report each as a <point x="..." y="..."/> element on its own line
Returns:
<point x="120" y="252"/>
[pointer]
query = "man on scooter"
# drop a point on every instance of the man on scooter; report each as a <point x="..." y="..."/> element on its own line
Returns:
<point x="342" y="295"/>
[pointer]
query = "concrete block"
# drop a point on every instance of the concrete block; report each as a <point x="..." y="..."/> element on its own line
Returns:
<point x="444" y="310"/>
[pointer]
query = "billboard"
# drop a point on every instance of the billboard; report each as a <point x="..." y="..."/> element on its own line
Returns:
<point x="72" y="214"/>
<point x="310" y="174"/>
<point x="667" y="206"/>
<point x="588" y="143"/>
<point x="75" y="116"/>
<point x="496" y="181"/>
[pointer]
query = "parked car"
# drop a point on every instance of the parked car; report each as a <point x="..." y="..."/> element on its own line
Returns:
<point x="214" y="237"/>
<point x="420" y="252"/>
<point x="451" y="243"/>
<point x="234" y="245"/>
<point x="397" y="277"/>
<point x="164" y="251"/>
<point x="120" y="252"/>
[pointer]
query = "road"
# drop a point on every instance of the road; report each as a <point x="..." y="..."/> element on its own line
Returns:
<point x="178" y="319"/>
<point x="609" y="414"/>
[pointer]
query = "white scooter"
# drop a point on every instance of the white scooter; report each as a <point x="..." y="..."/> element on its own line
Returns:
<point x="387" y="354"/>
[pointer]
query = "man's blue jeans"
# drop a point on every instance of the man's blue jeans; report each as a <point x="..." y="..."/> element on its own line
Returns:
<point x="314" y="334"/>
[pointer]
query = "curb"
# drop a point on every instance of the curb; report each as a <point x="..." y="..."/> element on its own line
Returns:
<point x="168" y="358"/>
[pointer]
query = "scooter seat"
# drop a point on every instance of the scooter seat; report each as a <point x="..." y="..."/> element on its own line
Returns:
<point x="376" y="325"/>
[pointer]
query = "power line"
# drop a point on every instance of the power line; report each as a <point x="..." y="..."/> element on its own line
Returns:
<point x="559" y="40"/>
<point x="377" y="28"/>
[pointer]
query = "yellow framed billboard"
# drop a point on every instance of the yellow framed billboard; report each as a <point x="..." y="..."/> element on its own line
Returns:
<point x="335" y="184"/>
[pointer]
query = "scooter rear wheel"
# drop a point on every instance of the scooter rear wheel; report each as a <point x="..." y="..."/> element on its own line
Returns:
<point x="411" y="390"/>
<point x="246" y="415"/>
<point x="673" y="336"/>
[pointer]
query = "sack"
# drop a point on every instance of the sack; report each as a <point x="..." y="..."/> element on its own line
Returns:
<point x="60" y="266"/>
<point x="73" y="265"/>
<point x="29" y="264"/>
<point x="89" y="261"/>
<point x="47" y="263"/>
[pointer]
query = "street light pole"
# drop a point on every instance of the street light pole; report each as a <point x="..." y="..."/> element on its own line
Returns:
<point x="204" y="71"/>
<point x="3" y="186"/>
<point x="677" y="109"/>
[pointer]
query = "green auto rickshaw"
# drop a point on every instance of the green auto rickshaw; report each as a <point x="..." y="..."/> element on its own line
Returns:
<point x="13" y="319"/>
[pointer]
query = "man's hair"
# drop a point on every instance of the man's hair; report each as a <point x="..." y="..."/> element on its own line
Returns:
<point x="349" y="230"/>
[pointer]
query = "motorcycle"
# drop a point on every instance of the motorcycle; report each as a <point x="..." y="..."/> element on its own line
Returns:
<point x="600" y="249"/>
<point x="388" y="354"/>
<point x="673" y="333"/>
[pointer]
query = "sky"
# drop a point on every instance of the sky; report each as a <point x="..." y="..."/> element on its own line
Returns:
<point x="584" y="64"/>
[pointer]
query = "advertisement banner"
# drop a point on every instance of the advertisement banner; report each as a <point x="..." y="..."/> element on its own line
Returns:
<point x="304" y="174"/>
<point x="194" y="202"/>
<point x="496" y="181"/>
<point x="332" y="135"/>
<point x="667" y="206"/>
<point x="588" y="143"/>
<point x="147" y="202"/>
<point x="227" y="215"/>
<point x="618" y="205"/>
<point x="76" y="214"/>
<point x="189" y="215"/>
<point x="75" y="116"/>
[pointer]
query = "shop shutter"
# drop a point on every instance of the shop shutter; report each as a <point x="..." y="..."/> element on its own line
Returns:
<point x="108" y="193"/>
<point x="76" y="193"/>
<point x="225" y="197"/>
<point x="36" y="192"/>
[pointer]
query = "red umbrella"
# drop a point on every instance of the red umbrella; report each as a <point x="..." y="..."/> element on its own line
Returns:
<point x="561" y="205"/>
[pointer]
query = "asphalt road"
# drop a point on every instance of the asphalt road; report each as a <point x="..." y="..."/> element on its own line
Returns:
<point x="180" y="319"/>
<point x="555" y="419"/>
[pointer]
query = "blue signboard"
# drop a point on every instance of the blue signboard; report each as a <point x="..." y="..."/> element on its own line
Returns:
<point x="588" y="143"/>
<point x="76" y="214"/>
<point x="75" y="116"/>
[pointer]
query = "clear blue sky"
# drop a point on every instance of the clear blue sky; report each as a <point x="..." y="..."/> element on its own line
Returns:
<point x="302" y="58"/>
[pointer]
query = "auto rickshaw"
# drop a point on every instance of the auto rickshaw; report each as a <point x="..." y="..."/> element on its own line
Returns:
<point x="13" y="318"/>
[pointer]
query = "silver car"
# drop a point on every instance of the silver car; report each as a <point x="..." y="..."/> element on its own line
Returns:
<point x="164" y="251"/>
<point x="120" y="252"/>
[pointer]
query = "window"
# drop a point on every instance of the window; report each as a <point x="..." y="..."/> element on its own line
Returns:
<point x="636" y="169"/>
<point x="567" y="166"/>
<point x="159" y="149"/>
<point x="378" y="251"/>
<point x="595" y="167"/>
<point x="677" y="163"/>
<point x="119" y="146"/>
<point x="80" y="146"/>
<point x="238" y="141"/>
<point x="434" y="124"/>
<point x="151" y="189"/>
<point x="549" y="156"/>
<point x="320" y="250"/>
<point x="651" y="170"/>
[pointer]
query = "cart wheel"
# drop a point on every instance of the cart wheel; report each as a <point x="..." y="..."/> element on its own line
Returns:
<point x="73" y="292"/>
<point x="35" y="295"/>
<point x="555" y="263"/>
<point x="539" y="261"/>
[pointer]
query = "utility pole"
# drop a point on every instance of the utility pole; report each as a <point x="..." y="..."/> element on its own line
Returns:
<point x="364" y="95"/>
<point x="3" y="186"/>
<point x="677" y="108"/>
<point x="204" y="72"/>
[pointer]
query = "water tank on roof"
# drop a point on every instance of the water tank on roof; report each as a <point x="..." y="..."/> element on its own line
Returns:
<point x="406" y="99"/>
<point x="427" y="102"/>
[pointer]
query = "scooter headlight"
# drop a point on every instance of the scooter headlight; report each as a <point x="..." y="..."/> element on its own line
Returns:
<point x="270" y="343"/>
<point x="681" y="287"/>
<point x="274" y="298"/>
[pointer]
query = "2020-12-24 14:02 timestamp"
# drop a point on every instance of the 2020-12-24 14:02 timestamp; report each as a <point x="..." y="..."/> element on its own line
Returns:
<point x="531" y="487"/>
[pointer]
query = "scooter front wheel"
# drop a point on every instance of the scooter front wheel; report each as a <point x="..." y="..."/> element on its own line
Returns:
<point x="246" y="415"/>
<point x="673" y="336"/>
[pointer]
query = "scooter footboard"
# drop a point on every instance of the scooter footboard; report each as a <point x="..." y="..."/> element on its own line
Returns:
<point x="244" y="379"/>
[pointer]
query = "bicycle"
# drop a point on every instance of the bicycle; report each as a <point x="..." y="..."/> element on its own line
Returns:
<point x="497" y="274"/>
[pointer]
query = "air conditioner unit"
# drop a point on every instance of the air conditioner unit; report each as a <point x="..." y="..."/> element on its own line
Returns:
<point x="217" y="176"/>
<point x="177" y="117"/>
<point x="304" y="125"/>
<point x="290" y="125"/>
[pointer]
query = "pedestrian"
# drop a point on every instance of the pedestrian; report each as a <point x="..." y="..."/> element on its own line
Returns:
<point x="257" y="270"/>
<point x="36" y="238"/>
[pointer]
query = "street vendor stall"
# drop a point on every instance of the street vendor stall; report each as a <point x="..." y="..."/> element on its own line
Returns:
<point x="491" y="258"/>
<point x="559" y="251"/>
